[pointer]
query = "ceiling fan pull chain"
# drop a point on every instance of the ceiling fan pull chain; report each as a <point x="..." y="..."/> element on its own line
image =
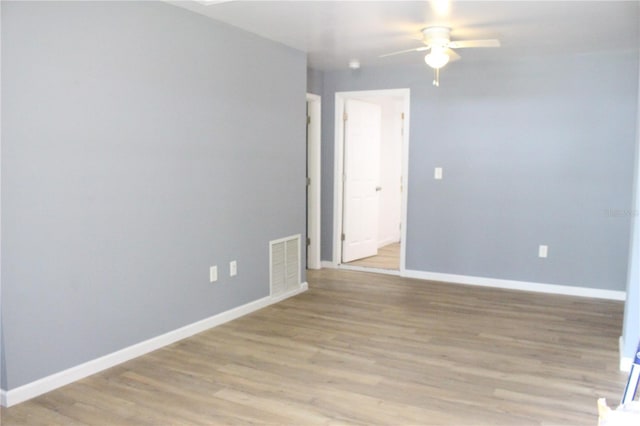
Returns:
<point x="436" y="79"/>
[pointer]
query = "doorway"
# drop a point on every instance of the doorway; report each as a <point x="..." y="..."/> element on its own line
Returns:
<point x="370" y="197"/>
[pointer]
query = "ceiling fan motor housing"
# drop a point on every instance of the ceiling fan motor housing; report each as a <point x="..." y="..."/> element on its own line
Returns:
<point x="437" y="36"/>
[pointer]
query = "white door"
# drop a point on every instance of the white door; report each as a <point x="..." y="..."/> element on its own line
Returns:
<point x="361" y="180"/>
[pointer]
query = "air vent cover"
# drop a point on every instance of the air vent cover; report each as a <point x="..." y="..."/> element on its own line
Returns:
<point x="284" y="263"/>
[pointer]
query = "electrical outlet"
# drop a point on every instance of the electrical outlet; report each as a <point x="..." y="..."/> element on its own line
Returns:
<point x="543" y="251"/>
<point x="437" y="173"/>
<point x="233" y="268"/>
<point x="213" y="274"/>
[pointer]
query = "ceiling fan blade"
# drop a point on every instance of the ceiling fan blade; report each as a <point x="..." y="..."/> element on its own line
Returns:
<point x="417" y="49"/>
<point x="453" y="55"/>
<point x="212" y="2"/>
<point x="474" y="43"/>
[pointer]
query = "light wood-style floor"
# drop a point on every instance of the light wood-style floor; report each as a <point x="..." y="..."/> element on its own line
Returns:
<point x="388" y="257"/>
<point x="367" y="349"/>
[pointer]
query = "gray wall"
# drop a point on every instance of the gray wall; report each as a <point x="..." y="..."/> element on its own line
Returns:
<point x="315" y="81"/>
<point x="141" y="144"/>
<point x="534" y="151"/>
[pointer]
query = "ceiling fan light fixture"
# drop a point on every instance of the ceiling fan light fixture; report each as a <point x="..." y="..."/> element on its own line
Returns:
<point x="437" y="58"/>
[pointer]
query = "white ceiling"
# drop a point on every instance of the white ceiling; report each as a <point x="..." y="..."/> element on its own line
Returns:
<point x="334" y="32"/>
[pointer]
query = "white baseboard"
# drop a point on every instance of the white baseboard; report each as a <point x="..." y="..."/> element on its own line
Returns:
<point x="62" y="378"/>
<point x="368" y="269"/>
<point x="331" y="265"/>
<point x="595" y="293"/>
<point x="518" y="285"/>
<point x="275" y="299"/>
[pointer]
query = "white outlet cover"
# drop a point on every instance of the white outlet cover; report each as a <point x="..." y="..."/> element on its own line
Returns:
<point x="213" y="274"/>
<point x="437" y="173"/>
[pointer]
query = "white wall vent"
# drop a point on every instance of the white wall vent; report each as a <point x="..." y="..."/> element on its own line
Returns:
<point x="284" y="265"/>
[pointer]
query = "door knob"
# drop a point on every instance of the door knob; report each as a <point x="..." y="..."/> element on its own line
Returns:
<point x="378" y="188"/>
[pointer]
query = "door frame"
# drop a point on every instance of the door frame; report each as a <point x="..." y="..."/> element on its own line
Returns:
<point x="314" y="154"/>
<point x="338" y="163"/>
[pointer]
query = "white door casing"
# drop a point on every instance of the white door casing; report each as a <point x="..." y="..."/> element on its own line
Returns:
<point x="313" y="183"/>
<point x="361" y="177"/>
<point x="340" y="99"/>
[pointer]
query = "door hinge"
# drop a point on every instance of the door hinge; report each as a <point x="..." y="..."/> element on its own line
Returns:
<point x="402" y="116"/>
<point x="342" y="236"/>
<point x="308" y="181"/>
<point x="308" y="242"/>
<point x="345" y="116"/>
<point x="308" y="120"/>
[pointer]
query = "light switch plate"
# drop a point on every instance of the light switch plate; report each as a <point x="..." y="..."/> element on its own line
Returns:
<point x="233" y="268"/>
<point x="543" y="251"/>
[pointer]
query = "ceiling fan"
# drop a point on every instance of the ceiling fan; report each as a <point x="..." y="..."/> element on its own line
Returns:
<point x="438" y="40"/>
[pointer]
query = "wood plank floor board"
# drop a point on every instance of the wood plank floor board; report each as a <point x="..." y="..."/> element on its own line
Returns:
<point x="388" y="257"/>
<point x="366" y="349"/>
